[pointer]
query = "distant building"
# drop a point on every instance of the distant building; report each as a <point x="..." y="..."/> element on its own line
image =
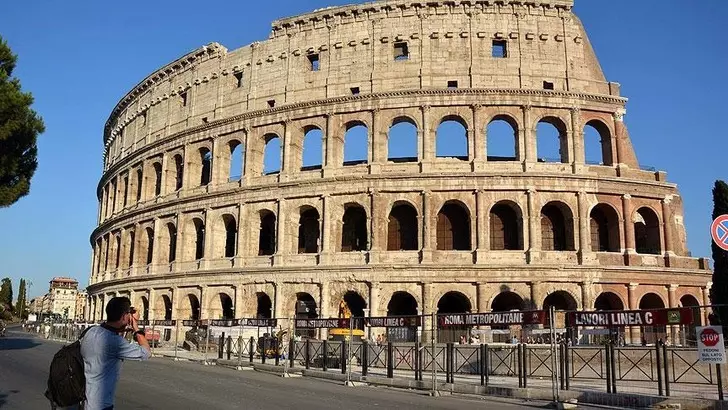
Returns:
<point x="62" y="297"/>
<point x="81" y="303"/>
<point x="36" y="304"/>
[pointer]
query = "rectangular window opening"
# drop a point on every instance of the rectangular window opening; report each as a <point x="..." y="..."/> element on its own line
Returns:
<point x="500" y="48"/>
<point x="547" y="85"/>
<point x="452" y="84"/>
<point x="271" y="103"/>
<point x="401" y="51"/>
<point x="238" y="79"/>
<point x="315" y="64"/>
<point x="183" y="96"/>
<point x="355" y="91"/>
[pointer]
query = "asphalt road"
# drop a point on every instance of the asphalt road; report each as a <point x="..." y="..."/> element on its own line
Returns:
<point x="165" y="384"/>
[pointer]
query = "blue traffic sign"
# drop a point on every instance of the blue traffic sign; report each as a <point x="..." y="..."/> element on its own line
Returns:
<point x="719" y="232"/>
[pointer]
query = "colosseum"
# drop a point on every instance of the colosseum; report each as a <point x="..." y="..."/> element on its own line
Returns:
<point x="402" y="156"/>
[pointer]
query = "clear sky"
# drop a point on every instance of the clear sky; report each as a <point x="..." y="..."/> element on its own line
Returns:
<point x="79" y="57"/>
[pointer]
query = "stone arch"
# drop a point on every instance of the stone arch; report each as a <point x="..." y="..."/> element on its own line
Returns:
<point x="453" y="227"/>
<point x="263" y="306"/>
<point x="501" y="137"/>
<point x="221" y="306"/>
<point x="604" y="228"/>
<point x="647" y="231"/>
<point x="235" y="158"/>
<point x="690" y="301"/>
<point x="451" y="138"/>
<point x="312" y="151"/>
<point x="560" y="300"/>
<point x="169" y="247"/>
<point x="157" y="167"/>
<point x="402" y="140"/>
<point x="272" y="154"/>
<point x="506" y="226"/>
<point x="608" y="301"/>
<point x="148" y="257"/>
<point x="189" y="307"/>
<point x="402" y="303"/>
<point x="175" y="173"/>
<point x="230" y="226"/>
<point x="402" y="227"/>
<point x="552" y="142"/>
<point x="557" y="227"/>
<point x="651" y="300"/>
<point x="354" y="233"/>
<point x="449" y="303"/>
<point x="507" y="300"/>
<point x="163" y="308"/>
<point x="309" y="230"/>
<point x="356" y="143"/>
<point x="205" y="166"/>
<point x="598" y="143"/>
<point x="267" y="233"/>
<point x="144" y="314"/>
<point x="652" y="334"/>
<point x="195" y="239"/>
<point x="305" y="308"/>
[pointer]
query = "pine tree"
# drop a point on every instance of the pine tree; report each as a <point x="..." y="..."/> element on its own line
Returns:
<point x="719" y="291"/>
<point x="22" y="300"/>
<point x="6" y="293"/>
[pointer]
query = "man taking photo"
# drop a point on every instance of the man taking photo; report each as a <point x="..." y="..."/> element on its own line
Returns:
<point x="103" y="348"/>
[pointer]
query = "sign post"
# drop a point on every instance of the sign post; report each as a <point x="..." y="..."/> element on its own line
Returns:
<point x="712" y="350"/>
<point x="719" y="232"/>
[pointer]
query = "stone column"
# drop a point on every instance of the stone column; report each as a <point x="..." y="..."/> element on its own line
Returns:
<point x="277" y="301"/>
<point x="427" y="154"/>
<point x="619" y="138"/>
<point x="471" y="134"/>
<point x="585" y="251"/>
<point x="241" y="250"/>
<point x="377" y="143"/>
<point x="209" y="221"/>
<point x="162" y="180"/>
<point x="375" y="227"/>
<point x="587" y="298"/>
<point x="534" y="238"/>
<point x="329" y="146"/>
<point x="673" y="332"/>
<point x="204" y="308"/>
<point x="634" y="331"/>
<point x="157" y="226"/>
<point x="706" y="302"/>
<point x="327" y="246"/>
<point x="577" y="139"/>
<point x="324" y="307"/>
<point x="281" y="239"/>
<point x="479" y="153"/>
<point x="427" y="231"/>
<point x="667" y="224"/>
<point x="428" y="306"/>
<point x="481" y="227"/>
<point x="628" y="226"/>
<point x="536" y="297"/>
<point x="528" y="139"/>
<point x="287" y="166"/>
<point x="374" y="299"/>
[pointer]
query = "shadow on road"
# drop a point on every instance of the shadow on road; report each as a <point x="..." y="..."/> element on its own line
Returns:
<point x="12" y="343"/>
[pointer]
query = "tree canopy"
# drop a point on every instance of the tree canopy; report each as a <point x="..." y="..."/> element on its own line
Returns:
<point x="6" y="293"/>
<point x="19" y="129"/>
<point x="719" y="291"/>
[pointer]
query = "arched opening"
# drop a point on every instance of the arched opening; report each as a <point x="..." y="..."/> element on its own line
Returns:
<point x="308" y="231"/>
<point x="402" y="141"/>
<point x="453" y="228"/>
<point x="562" y="301"/>
<point x="402" y="304"/>
<point x="557" y="232"/>
<point x="272" y="155"/>
<point x="506" y="301"/>
<point x="453" y="302"/>
<point x="354" y="235"/>
<point x="172" y="238"/>
<point x="402" y="228"/>
<point x="199" y="238"/>
<point x="604" y="228"/>
<point x="647" y="231"/>
<point x="356" y="144"/>
<point x="505" y="227"/>
<point x="451" y="139"/>
<point x="231" y="235"/>
<point x="150" y="246"/>
<point x="145" y="308"/>
<point x="194" y="307"/>
<point x="652" y="334"/>
<point x="264" y="306"/>
<point x="608" y="301"/>
<point x="690" y="337"/>
<point x="305" y="309"/>
<point x="312" y="156"/>
<point x="179" y="166"/>
<point x="226" y="307"/>
<point x="551" y="140"/>
<point x="206" y="168"/>
<point x="502" y="139"/>
<point x="267" y="234"/>
<point x="157" y="179"/>
<point x="597" y="143"/>
<point x="352" y="305"/>
<point x="235" y="172"/>
<point x="117" y="251"/>
<point x="163" y="308"/>
<point x="131" y="236"/>
<point x="140" y="179"/>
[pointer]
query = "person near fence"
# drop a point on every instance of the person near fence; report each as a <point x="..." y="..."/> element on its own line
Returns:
<point x="103" y="348"/>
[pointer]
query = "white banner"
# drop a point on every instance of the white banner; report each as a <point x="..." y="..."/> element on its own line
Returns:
<point x="710" y="344"/>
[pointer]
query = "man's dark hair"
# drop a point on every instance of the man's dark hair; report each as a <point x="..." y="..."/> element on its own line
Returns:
<point x="116" y="308"/>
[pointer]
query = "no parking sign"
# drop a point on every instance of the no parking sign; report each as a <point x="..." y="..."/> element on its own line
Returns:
<point x="719" y="232"/>
<point x="710" y="344"/>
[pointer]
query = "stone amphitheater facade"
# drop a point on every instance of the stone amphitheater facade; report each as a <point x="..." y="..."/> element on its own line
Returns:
<point x="186" y="236"/>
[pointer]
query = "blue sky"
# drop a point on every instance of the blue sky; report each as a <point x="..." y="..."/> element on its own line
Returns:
<point x="78" y="58"/>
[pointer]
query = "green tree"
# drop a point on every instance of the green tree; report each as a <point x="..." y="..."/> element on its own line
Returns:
<point x="6" y="293"/>
<point x="719" y="291"/>
<point x="20" y="305"/>
<point x="19" y="129"/>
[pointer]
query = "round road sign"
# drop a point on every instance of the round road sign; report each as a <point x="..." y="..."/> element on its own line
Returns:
<point x="719" y="232"/>
<point x="709" y="337"/>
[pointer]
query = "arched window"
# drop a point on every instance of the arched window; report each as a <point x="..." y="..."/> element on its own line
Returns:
<point x="272" y="155"/>
<point x="150" y="245"/>
<point x="194" y="307"/>
<point x="652" y="334"/>
<point x="172" y="234"/>
<point x="453" y="228"/>
<point x="552" y="143"/>
<point x="131" y="249"/>
<point x="354" y="236"/>
<point x="502" y="139"/>
<point x="560" y="300"/>
<point x="453" y="302"/>
<point x="402" y="228"/>
<point x="308" y="231"/>
<point x="597" y="143"/>
<point x="226" y="307"/>
<point x="402" y="141"/>
<point x="126" y="190"/>
<point x="451" y="139"/>
<point x="312" y="156"/>
<point x="264" y="306"/>
<point x="139" y="179"/>
<point x="305" y="309"/>
<point x="117" y="251"/>
<point x="206" y="169"/>
<point x="235" y="173"/>
<point x="157" y="179"/>
<point x="608" y="301"/>
<point x="505" y="227"/>
<point x="267" y="236"/>
<point x="179" y="167"/>
<point x="199" y="238"/>
<point x="647" y="231"/>
<point x="604" y="228"/>
<point x="556" y="230"/>
<point x="356" y="144"/>
<point x="231" y="235"/>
